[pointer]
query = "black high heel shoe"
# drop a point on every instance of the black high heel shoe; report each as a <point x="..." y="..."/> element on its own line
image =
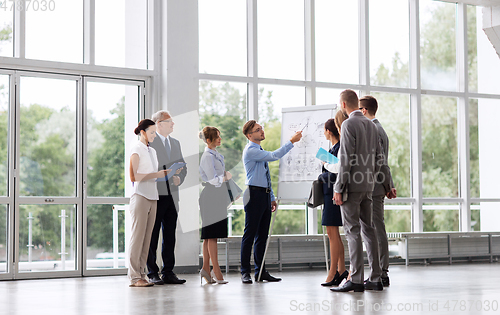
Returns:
<point x="340" y="278"/>
<point x="331" y="283"/>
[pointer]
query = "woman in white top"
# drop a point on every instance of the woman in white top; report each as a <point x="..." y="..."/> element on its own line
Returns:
<point x="214" y="200"/>
<point x="143" y="174"/>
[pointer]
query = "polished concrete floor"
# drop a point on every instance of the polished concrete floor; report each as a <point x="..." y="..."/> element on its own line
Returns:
<point x="454" y="289"/>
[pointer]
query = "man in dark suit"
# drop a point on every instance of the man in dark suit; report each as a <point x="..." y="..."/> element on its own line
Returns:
<point x="384" y="186"/>
<point x="168" y="151"/>
<point x="360" y="159"/>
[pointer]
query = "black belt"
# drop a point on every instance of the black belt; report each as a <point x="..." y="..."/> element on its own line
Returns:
<point x="266" y="190"/>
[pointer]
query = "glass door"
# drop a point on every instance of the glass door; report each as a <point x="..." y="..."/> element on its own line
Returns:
<point x="64" y="188"/>
<point x="48" y="184"/>
<point x="111" y="113"/>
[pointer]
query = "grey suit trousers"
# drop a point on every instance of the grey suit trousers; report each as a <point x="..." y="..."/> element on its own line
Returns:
<point x="357" y="219"/>
<point x="379" y="224"/>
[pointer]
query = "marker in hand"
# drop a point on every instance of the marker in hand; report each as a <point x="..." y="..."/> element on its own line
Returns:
<point x="296" y="137"/>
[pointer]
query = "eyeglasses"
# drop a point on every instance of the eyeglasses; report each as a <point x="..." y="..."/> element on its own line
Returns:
<point x="166" y="120"/>
<point x="258" y="130"/>
<point x="361" y="108"/>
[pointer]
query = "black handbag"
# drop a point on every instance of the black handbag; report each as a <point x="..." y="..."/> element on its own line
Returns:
<point x="316" y="197"/>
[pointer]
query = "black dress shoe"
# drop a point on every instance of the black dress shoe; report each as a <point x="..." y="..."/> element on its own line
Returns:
<point x="376" y="286"/>
<point x="330" y="283"/>
<point x="341" y="278"/>
<point x="385" y="281"/>
<point x="350" y="286"/>
<point x="265" y="276"/>
<point x="156" y="280"/>
<point x="172" y="279"/>
<point x="245" y="278"/>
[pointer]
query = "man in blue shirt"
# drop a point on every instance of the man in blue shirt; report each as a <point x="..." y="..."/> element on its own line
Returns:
<point x="259" y="200"/>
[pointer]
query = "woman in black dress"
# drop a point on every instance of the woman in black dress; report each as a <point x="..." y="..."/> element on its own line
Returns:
<point x="332" y="218"/>
<point x="214" y="201"/>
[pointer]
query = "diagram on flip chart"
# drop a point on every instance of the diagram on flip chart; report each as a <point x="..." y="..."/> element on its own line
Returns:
<point x="301" y="164"/>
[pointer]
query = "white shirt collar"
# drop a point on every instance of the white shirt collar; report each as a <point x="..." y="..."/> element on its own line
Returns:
<point x="163" y="138"/>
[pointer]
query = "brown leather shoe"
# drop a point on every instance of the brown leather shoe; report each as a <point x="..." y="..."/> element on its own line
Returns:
<point x="142" y="283"/>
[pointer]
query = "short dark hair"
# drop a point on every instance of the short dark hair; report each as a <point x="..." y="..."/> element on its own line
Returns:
<point x="248" y="126"/>
<point x="370" y="103"/>
<point x="350" y="98"/>
<point x="143" y="125"/>
<point x="330" y="126"/>
<point x="209" y="133"/>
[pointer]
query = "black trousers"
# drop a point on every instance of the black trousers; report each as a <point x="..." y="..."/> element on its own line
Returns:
<point x="257" y="220"/>
<point x="166" y="218"/>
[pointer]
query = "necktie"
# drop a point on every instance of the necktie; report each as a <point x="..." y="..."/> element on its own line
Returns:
<point x="268" y="175"/>
<point x="167" y="148"/>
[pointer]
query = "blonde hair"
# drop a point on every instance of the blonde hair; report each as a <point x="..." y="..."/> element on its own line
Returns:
<point x="340" y="117"/>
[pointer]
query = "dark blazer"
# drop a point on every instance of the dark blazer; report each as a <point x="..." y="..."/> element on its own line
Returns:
<point x="384" y="180"/>
<point x="326" y="177"/>
<point x="175" y="156"/>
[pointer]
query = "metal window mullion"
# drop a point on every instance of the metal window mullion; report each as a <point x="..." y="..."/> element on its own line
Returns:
<point x="19" y="33"/>
<point x="463" y="118"/>
<point x="153" y="93"/>
<point x="15" y="119"/>
<point x="364" y="44"/>
<point x="478" y="200"/>
<point x="309" y="51"/>
<point x="153" y="19"/>
<point x="80" y="184"/>
<point x="89" y="32"/>
<point x="147" y="90"/>
<point x="252" y="61"/>
<point x="12" y="167"/>
<point x="84" y="214"/>
<point x="417" y="224"/>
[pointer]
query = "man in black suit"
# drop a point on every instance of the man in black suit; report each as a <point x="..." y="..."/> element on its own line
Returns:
<point x="168" y="151"/>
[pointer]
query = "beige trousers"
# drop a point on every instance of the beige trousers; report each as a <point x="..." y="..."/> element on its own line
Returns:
<point x="142" y="216"/>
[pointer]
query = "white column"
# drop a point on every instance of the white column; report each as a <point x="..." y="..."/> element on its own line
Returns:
<point x="488" y="78"/>
<point x="179" y="71"/>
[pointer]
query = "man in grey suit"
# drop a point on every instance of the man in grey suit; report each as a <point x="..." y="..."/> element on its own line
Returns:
<point x="168" y="151"/>
<point x="360" y="161"/>
<point x="384" y="186"/>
